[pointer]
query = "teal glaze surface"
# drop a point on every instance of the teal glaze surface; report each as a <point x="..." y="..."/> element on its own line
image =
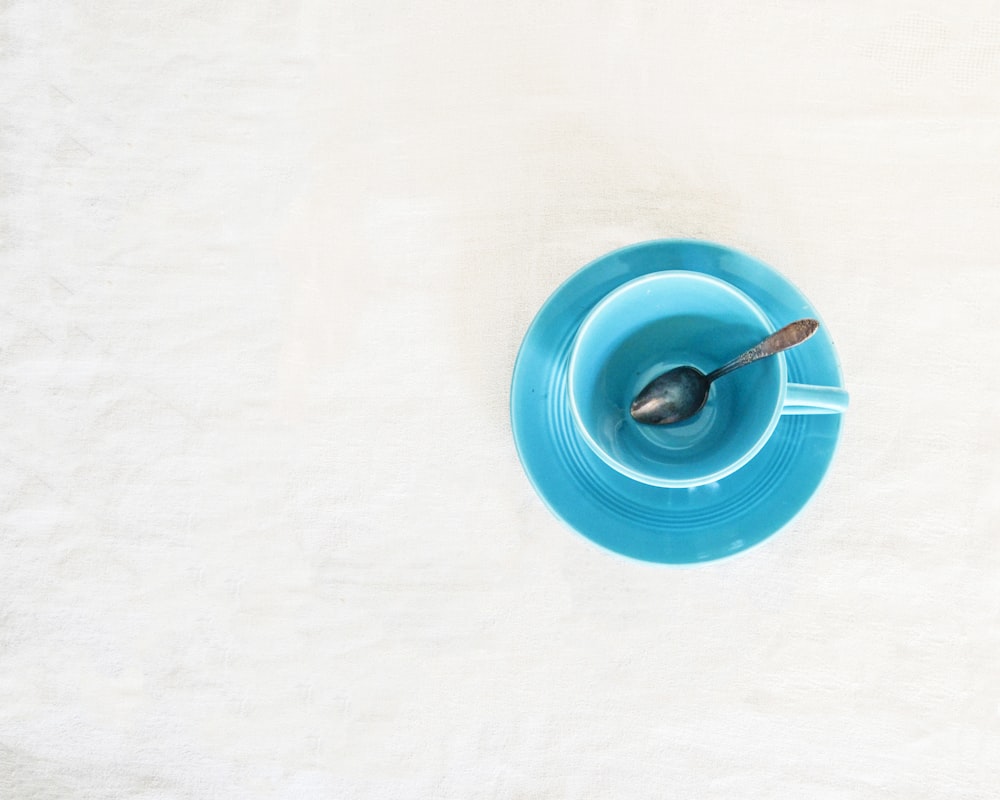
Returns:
<point x="665" y="524"/>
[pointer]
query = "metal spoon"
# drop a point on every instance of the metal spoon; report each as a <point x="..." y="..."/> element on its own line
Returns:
<point x="681" y="392"/>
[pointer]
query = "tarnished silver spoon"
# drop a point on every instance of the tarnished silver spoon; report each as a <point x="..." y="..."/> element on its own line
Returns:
<point x="680" y="392"/>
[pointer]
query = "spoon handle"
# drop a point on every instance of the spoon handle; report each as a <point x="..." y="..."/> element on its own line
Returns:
<point x="789" y="336"/>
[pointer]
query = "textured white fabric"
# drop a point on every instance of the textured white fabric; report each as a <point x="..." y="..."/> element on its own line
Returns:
<point x="265" y="270"/>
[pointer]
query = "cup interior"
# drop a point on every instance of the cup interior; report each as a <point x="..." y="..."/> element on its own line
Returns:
<point x="649" y="326"/>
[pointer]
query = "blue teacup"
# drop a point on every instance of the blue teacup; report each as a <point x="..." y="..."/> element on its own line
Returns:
<point x="668" y="319"/>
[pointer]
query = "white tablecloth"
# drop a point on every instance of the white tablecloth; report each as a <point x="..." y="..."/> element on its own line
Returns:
<point x="265" y="269"/>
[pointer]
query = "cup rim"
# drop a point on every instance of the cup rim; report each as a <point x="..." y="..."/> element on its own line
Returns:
<point x="625" y="469"/>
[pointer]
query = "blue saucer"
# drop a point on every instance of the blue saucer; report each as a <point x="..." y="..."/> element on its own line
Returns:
<point x="670" y="526"/>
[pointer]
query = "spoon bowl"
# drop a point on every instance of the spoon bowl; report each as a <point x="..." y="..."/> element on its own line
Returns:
<point x="672" y="397"/>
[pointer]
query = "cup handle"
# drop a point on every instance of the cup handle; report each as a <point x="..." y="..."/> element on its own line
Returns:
<point x="801" y="398"/>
